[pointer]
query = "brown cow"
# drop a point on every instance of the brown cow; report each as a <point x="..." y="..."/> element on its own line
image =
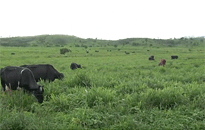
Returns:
<point x="163" y="62"/>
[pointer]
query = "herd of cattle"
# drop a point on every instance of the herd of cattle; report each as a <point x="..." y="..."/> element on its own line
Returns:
<point x="27" y="76"/>
<point x="163" y="61"/>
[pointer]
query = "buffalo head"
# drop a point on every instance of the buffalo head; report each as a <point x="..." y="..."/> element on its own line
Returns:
<point x="39" y="93"/>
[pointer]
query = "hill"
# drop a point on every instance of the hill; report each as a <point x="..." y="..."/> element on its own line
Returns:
<point x="62" y="40"/>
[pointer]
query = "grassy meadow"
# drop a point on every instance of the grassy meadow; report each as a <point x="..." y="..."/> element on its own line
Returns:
<point x="113" y="90"/>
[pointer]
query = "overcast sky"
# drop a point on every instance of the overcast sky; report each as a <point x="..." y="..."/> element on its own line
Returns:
<point x="103" y="19"/>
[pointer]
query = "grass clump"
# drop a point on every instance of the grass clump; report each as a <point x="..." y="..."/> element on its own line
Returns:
<point x="17" y="99"/>
<point x="100" y="97"/>
<point x="168" y="98"/>
<point x="80" y="79"/>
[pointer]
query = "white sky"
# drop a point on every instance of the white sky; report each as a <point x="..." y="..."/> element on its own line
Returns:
<point x="103" y="19"/>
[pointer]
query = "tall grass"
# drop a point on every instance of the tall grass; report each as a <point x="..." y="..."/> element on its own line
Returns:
<point x="113" y="90"/>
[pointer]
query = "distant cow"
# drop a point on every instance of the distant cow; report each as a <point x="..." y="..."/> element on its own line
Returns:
<point x="127" y="52"/>
<point x="151" y="58"/>
<point x="174" y="57"/>
<point x="163" y="62"/>
<point x="45" y="72"/>
<point x="74" y="66"/>
<point x="14" y="77"/>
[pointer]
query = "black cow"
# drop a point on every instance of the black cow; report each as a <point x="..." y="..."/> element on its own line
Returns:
<point x="174" y="57"/>
<point x="45" y="72"/>
<point x="13" y="77"/>
<point x="74" y="66"/>
<point x="151" y="58"/>
<point x="1" y="70"/>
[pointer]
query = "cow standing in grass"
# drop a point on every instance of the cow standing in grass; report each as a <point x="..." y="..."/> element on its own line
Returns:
<point x="13" y="77"/>
<point x="174" y="57"/>
<point x="163" y="62"/>
<point x="151" y="58"/>
<point x="44" y="72"/>
<point x="74" y="66"/>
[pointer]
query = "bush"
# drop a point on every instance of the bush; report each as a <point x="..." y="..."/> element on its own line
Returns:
<point x="64" y="50"/>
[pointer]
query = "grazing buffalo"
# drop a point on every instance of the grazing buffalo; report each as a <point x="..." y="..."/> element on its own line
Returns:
<point x="74" y="66"/>
<point x="127" y="52"/>
<point x="151" y="58"/>
<point x="174" y="57"/>
<point x="14" y="77"/>
<point x="163" y="62"/>
<point x="45" y="72"/>
<point x="1" y="70"/>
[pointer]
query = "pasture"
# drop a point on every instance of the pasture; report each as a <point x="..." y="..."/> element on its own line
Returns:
<point x="113" y="90"/>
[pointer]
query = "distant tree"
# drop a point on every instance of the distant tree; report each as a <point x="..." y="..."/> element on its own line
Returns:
<point x="182" y="38"/>
<point x="135" y="44"/>
<point x="64" y="50"/>
<point x="85" y="46"/>
<point x="59" y="41"/>
<point x="146" y="40"/>
<point x="41" y="40"/>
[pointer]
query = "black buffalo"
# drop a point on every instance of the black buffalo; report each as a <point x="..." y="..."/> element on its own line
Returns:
<point x="151" y="58"/>
<point x="13" y="77"/>
<point x="174" y="57"/>
<point x="1" y="70"/>
<point x="44" y="72"/>
<point x="74" y="66"/>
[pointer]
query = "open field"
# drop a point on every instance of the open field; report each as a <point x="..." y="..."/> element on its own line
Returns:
<point x="113" y="90"/>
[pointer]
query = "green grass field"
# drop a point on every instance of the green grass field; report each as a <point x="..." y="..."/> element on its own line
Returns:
<point x="113" y="90"/>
